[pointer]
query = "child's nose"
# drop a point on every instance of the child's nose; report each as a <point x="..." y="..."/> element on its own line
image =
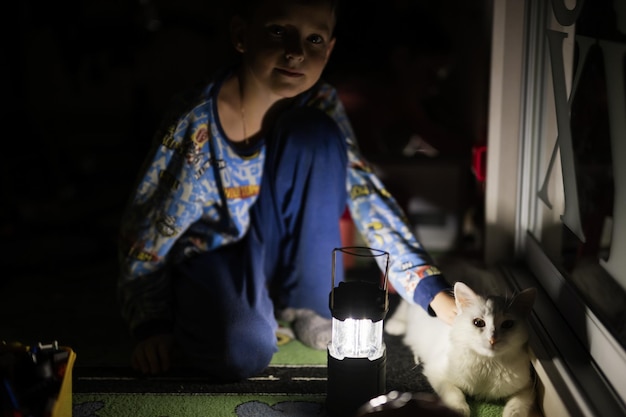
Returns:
<point x="293" y="49"/>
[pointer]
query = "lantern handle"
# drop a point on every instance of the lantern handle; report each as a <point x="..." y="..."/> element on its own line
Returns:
<point x="366" y="252"/>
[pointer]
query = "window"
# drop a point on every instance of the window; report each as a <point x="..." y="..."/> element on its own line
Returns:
<point x="571" y="192"/>
<point x="575" y="214"/>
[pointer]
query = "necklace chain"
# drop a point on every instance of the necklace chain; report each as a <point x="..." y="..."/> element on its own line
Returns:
<point x="243" y="114"/>
<point x="243" y="125"/>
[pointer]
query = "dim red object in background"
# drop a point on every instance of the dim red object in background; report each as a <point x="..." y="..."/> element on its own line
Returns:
<point x="479" y="162"/>
<point x="347" y="230"/>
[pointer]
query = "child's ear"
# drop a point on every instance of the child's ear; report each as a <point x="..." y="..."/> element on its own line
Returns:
<point x="237" y="33"/>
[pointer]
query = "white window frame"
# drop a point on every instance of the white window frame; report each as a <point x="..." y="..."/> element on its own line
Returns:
<point x="581" y="367"/>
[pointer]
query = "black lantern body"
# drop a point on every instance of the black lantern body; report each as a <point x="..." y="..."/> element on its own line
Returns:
<point x="356" y="355"/>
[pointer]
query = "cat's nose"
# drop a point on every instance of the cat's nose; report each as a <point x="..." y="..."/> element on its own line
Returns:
<point x="492" y="341"/>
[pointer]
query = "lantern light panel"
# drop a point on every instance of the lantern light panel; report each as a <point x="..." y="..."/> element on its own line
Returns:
<point x="356" y="338"/>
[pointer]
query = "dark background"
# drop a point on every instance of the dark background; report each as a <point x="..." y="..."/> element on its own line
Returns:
<point x="87" y="84"/>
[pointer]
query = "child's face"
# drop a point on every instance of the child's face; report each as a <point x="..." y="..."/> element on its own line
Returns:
<point x="286" y="44"/>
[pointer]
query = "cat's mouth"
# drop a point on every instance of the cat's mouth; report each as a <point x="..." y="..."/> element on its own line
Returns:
<point x="490" y="349"/>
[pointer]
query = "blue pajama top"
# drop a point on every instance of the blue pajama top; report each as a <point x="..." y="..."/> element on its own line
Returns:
<point x="196" y="191"/>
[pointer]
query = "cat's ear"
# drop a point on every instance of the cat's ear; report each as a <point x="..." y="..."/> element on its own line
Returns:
<point x="464" y="296"/>
<point x="524" y="301"/>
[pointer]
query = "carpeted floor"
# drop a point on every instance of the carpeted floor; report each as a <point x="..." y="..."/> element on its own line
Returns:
<point x="74" y="303"/>
<point x="59" y="284"/>
<point x="294" y="385"/>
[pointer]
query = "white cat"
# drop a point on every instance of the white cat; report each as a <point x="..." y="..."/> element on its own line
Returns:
<point x="484" y="354"/>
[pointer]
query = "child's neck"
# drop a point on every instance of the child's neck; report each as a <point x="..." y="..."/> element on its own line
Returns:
<point x="244" y="109"/>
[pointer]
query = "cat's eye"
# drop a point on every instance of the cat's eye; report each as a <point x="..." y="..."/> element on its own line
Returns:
<point x="479" y="322"/>
<point x="507" y="324"/>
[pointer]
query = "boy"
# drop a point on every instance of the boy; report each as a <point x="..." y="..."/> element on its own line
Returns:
<point x="236" y="216"/>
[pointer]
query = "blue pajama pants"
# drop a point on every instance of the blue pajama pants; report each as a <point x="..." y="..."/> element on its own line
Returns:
<point x="225" y="299"/>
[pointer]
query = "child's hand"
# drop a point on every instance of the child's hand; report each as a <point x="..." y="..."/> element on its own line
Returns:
<point x="153" y="355"/>
<point x="444" y="306"/>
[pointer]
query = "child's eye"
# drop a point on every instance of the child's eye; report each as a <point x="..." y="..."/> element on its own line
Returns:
<point x="507" y="324"/>
<point x="316" y="39"/>
<point x="276" y="30"/>
<point x="479" y="322"/>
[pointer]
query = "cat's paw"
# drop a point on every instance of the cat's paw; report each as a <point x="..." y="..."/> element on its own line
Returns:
<point x="515" y="410"/>
<point x="455" y="399"/>
<point x="520" y="404"/>
<point x="395" y="327"/>
<point x="461" y="409"/>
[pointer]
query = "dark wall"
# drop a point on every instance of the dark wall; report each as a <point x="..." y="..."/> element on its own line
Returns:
<point x="89" y="80"/>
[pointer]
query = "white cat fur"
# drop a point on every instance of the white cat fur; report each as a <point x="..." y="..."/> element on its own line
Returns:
<point x="461" y="360"/>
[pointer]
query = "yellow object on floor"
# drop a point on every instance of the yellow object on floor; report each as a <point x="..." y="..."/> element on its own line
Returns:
<point x="63" y="405"/>
<point x="36" y="380"/>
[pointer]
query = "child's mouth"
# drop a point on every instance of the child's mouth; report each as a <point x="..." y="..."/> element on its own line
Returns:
<point x="289" y="73"/>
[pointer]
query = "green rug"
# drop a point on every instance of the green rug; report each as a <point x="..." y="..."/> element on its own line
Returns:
<point x="294" y="385"/>
<point x="209" y="405"/>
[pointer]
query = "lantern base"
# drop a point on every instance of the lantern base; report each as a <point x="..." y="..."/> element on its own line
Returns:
<point x="352" y="382"/>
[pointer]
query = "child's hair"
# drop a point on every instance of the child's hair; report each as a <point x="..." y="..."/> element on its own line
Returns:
<point x="247" y="8"/>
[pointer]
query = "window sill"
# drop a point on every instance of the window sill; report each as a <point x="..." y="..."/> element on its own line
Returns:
<point x="568" y="381"/>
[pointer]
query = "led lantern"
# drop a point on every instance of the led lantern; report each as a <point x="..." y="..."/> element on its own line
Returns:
<point x="356" y="354"/>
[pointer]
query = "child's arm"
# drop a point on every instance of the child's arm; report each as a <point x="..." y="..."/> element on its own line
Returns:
<point x="382" y="223"/>
<point x="163" y="206"/>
